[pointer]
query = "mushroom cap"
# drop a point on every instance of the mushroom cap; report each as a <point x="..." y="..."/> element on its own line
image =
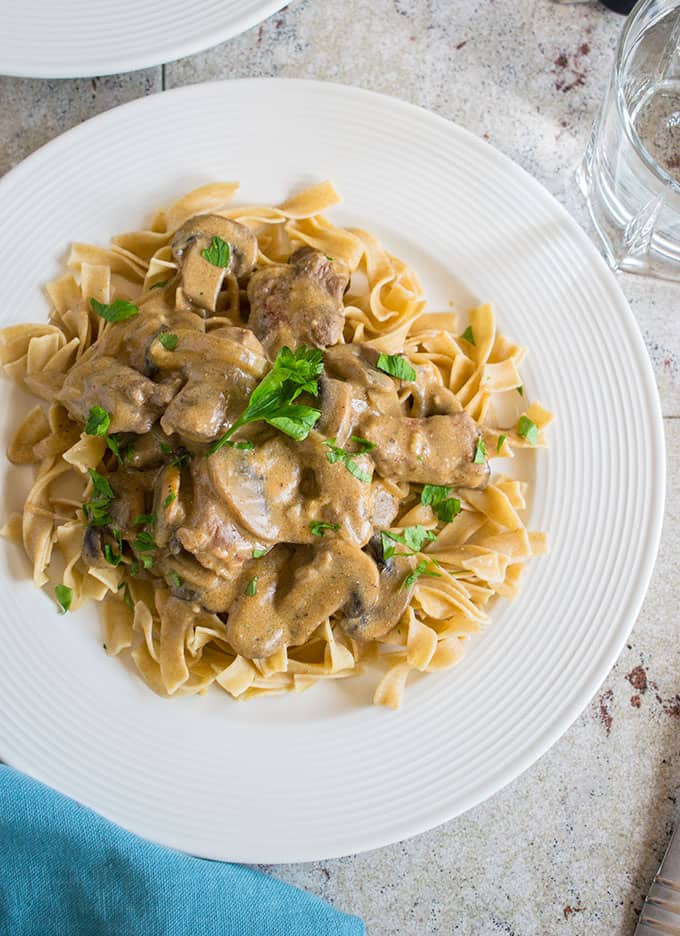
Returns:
<point x="199" y="231"/>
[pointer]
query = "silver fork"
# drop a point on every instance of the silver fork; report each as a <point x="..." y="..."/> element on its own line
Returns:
<point x="661" y="909"/>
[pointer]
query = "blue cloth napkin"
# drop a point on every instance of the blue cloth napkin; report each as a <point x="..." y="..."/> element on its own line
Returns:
<point x="65" y="871"/>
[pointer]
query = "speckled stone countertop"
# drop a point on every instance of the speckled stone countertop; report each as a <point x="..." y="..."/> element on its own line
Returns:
<point x="571" y="846"/>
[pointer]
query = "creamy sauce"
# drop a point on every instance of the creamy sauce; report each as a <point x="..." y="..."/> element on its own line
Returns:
<point x="268" y="540"/>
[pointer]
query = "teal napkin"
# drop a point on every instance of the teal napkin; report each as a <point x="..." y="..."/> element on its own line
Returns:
<point x="65" y="871"/>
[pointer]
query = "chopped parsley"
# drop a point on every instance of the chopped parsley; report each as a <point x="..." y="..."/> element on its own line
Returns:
<point x="363" y="445"/>
<point x="272" y="400"/>
<point x="445" y="508"/>
<point x="469" y="336"/>
<point x="97" y="508"/>
<point x="118" y="311"/>
<point x="218" y="253"/>
<point x="423" y="568"/>
<point x="337" y="454"/>
<point x="114" y="558"/>
<point x="520" y="390"/>
<point x="480" y="452"/>
<point x="147" y="562"/>
<point x="64" y="596"/>
<point x="259" y="553"/>
<point x="165" y="448"/>
<point x="501" y="440"/>
<point x="169" y="499"/>
<point x="318" y="527"/>
<point x="144" y="520"/>
<point x="246" y="445"/>
<point x="528" y="429"/>
<point x="413" y="538"/>
<point x="397" y="366"/>
<point x="168" y="340"/>
<point x="175" y="579"/>
<point x="251" y="587"/>
<point x="127" y="598"/>
<point x="144" y="542"/>
<point x="98" y="421"/>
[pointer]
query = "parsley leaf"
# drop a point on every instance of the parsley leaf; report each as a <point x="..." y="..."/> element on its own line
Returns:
<point x="118" y="311"/>
<point x="272" y="400"/>
<point x="528" y="429"/>
<point x="147" y="562"/>
<point x="246" y="445"/>
<point x="469" y="336"/>
<point x="168" y="340"/>
<point x="259" y="553"/>
<point x="97" y="508"/>
<point x="144" y="542"/>
<point x="318" y="527"/>
<point x="218" y="253"/>
<point x="64" y="596"/>
<point x="144" y="520"/>
<point x="445" y="508"/>
<point x="337" y="454"/>
<point x="480" y="452"/>
<point x="423" y="568"/>
<point x="112" y="443"/>
<point x="520" y="390"/>
<point x="98" y="421"/>
<point x="501" y="440"/>
<point x="165" y="448"/>
<point x="363" y="445"/>
<point x="169" y="499"/>
<point x="413" y="537"/>
<point x="175" y="580"/>
<point x="251" y="587"/>
<point x="396" y="365"/>
<point x="114" y="558"/>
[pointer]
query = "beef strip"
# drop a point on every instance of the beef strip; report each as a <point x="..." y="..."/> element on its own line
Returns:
<point x="429" y="450"/>
<point x="133" y="402"/>
<point x="299" y="303"/>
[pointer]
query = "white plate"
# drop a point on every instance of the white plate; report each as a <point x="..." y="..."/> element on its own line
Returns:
<point x="79" y="38"/>
<point x="324" y="774"/>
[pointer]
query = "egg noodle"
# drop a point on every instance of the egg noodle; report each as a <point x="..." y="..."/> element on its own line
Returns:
<point x="479" y="555"/>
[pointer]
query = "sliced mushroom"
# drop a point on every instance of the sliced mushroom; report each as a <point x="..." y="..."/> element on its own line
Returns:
<point x="429" y="396"/>
<point x="190" y="581"/>
<point x="393" y="598"/>
<point x="168" y="509"/>
<point x="296" y="591"/>
<point x="130" y="488"/>
<point x="372" y="390"/>
<point x="92" y="550"/>
<point x="281" y="487"/>
<point x="430" y="450"/>
<point x="211" y="532"/>
<point x="202" y="280"/>
<point x="220" y="373"/>
<point x="335" y="398"/>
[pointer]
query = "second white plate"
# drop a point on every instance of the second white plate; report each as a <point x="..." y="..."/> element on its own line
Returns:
<point x="78" y="38"/>
<point x="324" y="774"/>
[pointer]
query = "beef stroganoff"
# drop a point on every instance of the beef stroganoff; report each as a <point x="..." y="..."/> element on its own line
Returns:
<point x="281" y="460"/>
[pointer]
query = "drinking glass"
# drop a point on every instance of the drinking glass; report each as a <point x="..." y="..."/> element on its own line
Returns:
<point x="630" y="174"/>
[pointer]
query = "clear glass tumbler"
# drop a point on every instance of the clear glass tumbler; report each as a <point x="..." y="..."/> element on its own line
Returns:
<point x="630" y="174"/>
